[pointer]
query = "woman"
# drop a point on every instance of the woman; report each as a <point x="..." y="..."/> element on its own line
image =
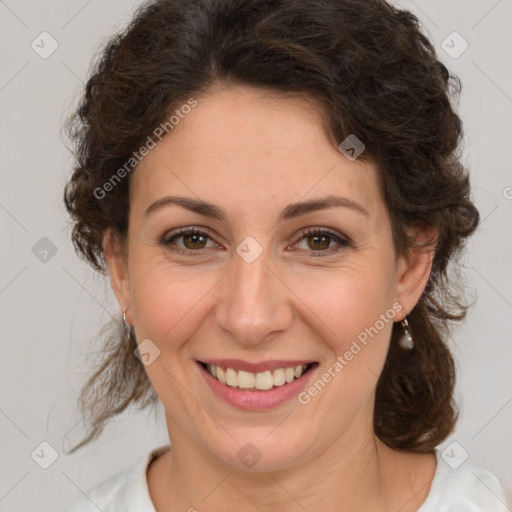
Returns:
<point x="275" y="192"/>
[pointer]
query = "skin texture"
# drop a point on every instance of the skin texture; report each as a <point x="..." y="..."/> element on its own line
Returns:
<point x="251" y="153"/>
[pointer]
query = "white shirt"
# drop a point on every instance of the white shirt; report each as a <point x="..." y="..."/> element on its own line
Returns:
<point x="468" y="488"/>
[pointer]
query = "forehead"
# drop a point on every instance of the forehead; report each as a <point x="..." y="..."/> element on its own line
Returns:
<point x="250" y="147"/>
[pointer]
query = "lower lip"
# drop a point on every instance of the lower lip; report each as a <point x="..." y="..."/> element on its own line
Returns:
<point x="257" y="400"/>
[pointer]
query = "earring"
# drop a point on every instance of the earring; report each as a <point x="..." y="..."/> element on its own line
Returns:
<point x="406" y="340"/>
<point x="127" y="326"/>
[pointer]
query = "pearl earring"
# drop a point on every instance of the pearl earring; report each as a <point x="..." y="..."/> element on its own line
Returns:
<point x="406" y="340"/>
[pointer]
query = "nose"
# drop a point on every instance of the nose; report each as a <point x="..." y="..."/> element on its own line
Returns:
<point x="255" y="302"/>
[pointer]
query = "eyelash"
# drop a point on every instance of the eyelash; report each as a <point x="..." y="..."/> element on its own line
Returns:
<point x="342" y="241"/>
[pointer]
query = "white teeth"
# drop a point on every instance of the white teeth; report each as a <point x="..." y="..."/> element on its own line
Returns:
<point x="231" y="378"/>
<point x="278" y="376"/>
<point x="262" y="380"/>
<point x="245" y="380"/>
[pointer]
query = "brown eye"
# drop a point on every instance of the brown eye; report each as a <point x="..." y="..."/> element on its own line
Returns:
<point x="322" y="242"/>
<point x="318" y="242"/>
<point x="192" y="242"/>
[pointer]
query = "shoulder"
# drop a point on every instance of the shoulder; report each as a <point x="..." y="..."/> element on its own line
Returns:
<point x="461" y="486"/>
<point x="125" y="491"/>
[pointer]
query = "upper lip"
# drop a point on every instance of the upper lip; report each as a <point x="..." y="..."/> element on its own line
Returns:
<point x="239" y="364"/>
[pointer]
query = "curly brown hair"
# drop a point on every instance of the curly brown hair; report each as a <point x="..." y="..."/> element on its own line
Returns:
<point x="374" y="73"/>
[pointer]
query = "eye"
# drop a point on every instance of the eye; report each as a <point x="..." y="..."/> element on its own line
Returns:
<point x="320" y="240"/>
<point x="193" y="241"/>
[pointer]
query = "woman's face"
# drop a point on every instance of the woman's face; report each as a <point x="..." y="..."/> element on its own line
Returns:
<point x="252" y="290"/>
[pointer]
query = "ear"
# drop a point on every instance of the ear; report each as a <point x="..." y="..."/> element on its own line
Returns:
<point x="118" y="271"/>
<point x="415" y="267"/>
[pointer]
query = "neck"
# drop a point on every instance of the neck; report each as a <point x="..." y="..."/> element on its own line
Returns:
<point x="348" y="476"/>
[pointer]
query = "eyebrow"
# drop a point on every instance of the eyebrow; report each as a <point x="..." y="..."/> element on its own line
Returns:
<point x="292" y="211"/>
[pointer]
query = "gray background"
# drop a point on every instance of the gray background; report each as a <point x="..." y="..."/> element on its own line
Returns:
<point x="51" y="310"/>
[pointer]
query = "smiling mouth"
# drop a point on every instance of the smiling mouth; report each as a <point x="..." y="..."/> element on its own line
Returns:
<point x="260" y="381"/>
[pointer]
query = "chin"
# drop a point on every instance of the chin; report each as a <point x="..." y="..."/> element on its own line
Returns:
<point x="261" y="450"/>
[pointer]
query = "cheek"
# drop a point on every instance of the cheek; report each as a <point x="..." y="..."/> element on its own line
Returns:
<point x="347" y="304"/>
<point x="352" y="311"/>
<point x="167" y="303"/>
